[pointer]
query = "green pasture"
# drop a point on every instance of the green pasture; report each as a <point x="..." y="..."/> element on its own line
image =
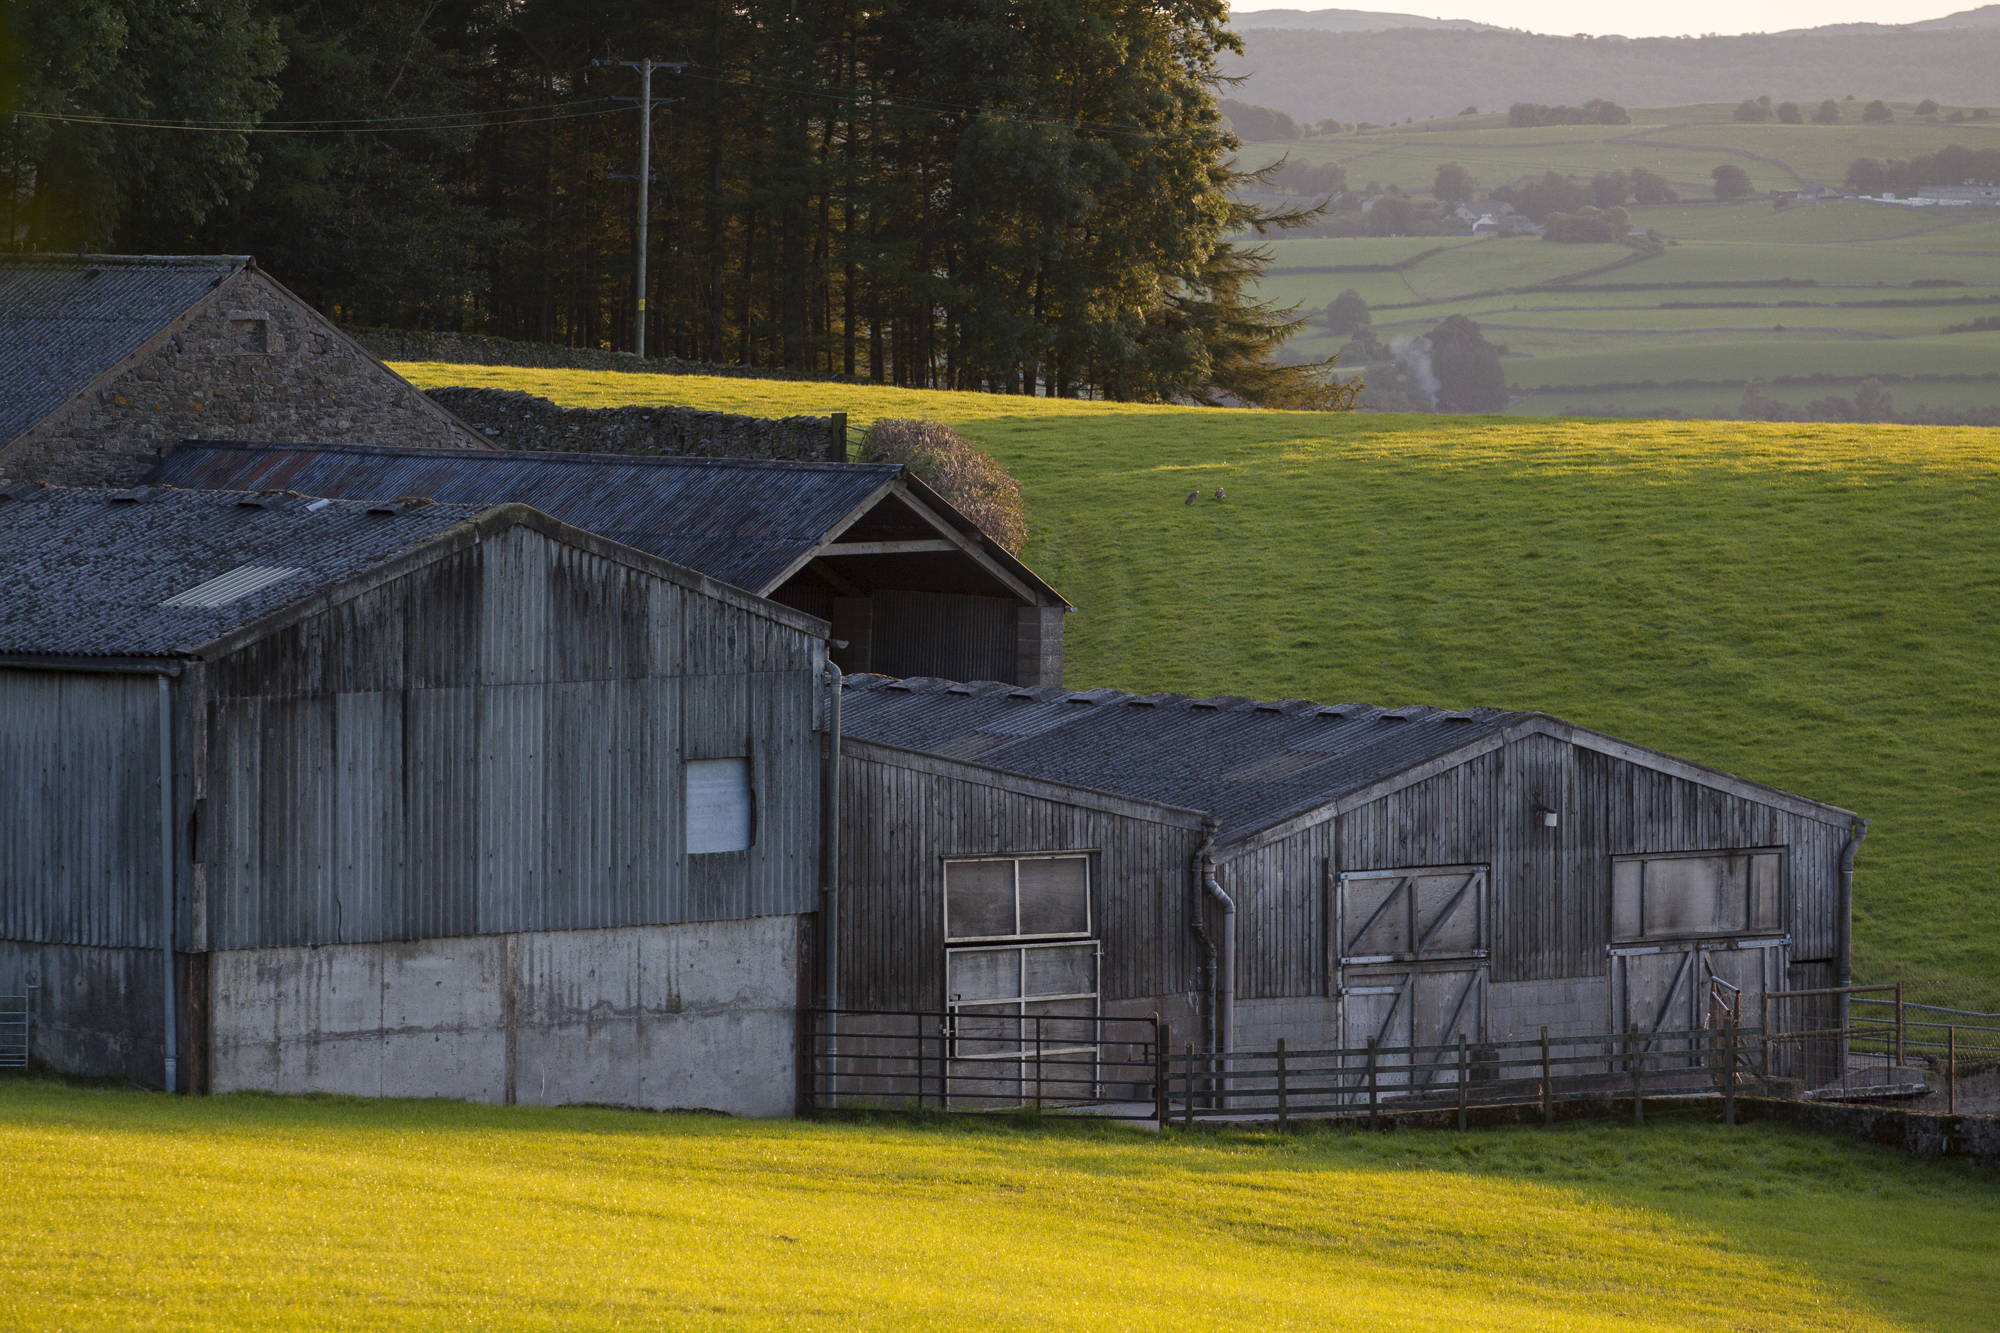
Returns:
<point x="1757" y="220"/>
<point x="1719" y="401"/>
<point x="1513" y="261"/>
<point x="1810" y="606"/>
<point x="1729" y="357"/>
<point x="1822" y="153"/>
<point x="1860" y="263"/>
<point x="136" y="1212"/>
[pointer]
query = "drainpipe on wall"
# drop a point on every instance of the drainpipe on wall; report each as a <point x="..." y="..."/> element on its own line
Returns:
<point x="830" y="885"/>
<point x="1855" y="834"/>
<point x="167" y="877"/>
<point x="1221" y="989"/>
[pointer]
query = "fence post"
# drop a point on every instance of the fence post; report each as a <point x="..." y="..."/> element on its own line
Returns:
<point x="1038" y="1064"/>
<point x="1284" y="1121"/>
<point x="1729" y="1070"/>
<point x="1187" y="1106"/>
<point x="1951" y="1071"/>
<point x="1638" y="1074"/>
<point x="1899" y="1023"/>
<point x="1548" y="1093"/>
<point x="1373" y="1089"/>
<point x="1163" y="1036"/>
<point x="1464" y="1077"/>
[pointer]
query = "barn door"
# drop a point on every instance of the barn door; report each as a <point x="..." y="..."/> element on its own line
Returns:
<point x="1404" y="1011"/>
<point x="1692" y="987"/>
<point x="1386" y="916"/>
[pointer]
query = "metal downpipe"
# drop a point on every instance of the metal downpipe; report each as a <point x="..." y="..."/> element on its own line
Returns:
<point x="1845" y="912"/>
<point x="1219" y="963"/>
<point x="830" y="882"/>
<point x="172" y="1047"/>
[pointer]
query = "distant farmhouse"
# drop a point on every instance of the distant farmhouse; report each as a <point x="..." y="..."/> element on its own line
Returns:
<point x="105" y="360"/>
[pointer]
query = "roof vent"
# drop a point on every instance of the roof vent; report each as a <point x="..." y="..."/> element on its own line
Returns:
<point x="388" y="507"/>
<point x="234" y="586"/>
<point x="1269" y="708"/>
<point x="1340" y="714"/>
<point x="1143" y="703"/>
<point x="256" y="502"/>
<point x="1462" y="715"/>
<point x="1208" y="704"/>
<point x="958" y="689"/>
<point x="1020" y="694"/>
<point x="896" y="685"/>
<point x="138" y="495"/>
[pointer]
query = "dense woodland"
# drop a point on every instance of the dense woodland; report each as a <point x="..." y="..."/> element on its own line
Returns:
<point x="974" y="193"/>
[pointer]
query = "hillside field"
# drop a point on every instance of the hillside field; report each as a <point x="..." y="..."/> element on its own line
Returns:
<point x="136" y="1211"/>
<point x="1861" y="288"/>
<point x="1809" y="606"/>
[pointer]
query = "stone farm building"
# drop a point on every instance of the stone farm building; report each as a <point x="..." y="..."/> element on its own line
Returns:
<point x="107" y="360"/>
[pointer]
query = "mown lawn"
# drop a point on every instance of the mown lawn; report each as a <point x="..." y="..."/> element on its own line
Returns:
<point x="136" y="1211"/>
<point x="1813" y="606"/>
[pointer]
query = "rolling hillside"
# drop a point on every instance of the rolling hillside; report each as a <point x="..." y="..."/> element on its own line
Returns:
<point x="1823" y="294"/>
<point x="142" y="1212"/>
<point x="1810" y="606"/>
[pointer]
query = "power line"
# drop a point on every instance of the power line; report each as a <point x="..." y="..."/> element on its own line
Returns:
<point x="378" y="125"/>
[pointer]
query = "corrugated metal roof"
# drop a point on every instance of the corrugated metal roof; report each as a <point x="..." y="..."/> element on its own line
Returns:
<point x="738" y="520"/>
<point x="87" y="573"/>
<point x="1250" y="764"/>
<point x="65" y="320"/>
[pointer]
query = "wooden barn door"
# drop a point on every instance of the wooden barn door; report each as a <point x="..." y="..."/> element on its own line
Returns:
<point x="1411" y="966"/>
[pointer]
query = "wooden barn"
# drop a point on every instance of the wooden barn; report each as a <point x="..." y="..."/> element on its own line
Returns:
<point x="403" y="799"/>
<point x="911" y="586"/>
<point x="1252" y="871"/>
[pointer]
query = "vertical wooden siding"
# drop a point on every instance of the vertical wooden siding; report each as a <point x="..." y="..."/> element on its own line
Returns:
<point x="80" y="832"/>
<point x="898" y="826"/>
<point x="495" y="744"/>
<point x="1551" y="888"/>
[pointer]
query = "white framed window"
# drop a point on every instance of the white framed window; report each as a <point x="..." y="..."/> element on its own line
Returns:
<point x="721" y="808"/>
<point x="1678" y="895"/>
<point x="1017" y="898"/>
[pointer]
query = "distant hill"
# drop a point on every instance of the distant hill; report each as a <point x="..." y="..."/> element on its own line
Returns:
<point x="1986" y="16"/>
<point x="1347" y="20"/>
<point x="1402" y="72"/>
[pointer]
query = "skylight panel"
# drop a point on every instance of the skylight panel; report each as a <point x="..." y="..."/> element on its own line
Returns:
<point x="234" y="586"/>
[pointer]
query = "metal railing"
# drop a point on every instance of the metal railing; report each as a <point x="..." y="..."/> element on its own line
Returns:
<point x="13" y="1032"/>
<point x="1131" y="1069"/>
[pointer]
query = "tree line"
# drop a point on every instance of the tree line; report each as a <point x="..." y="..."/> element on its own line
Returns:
<point x="964" y="193"/>
<point x="1951" y="165"/>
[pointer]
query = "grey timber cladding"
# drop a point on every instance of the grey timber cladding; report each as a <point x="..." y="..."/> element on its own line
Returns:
<point x="493" y="743"/>
<point x="904" y="813"/>
<point x="87" y="571"/>
<point x="81" y="828"/>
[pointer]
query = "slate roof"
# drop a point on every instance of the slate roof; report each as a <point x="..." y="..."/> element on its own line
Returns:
<point x="65" y="320"/>
<point x="85" y="572"/>
<point x="1248" y="763"/>
<point x="737" y="520"/>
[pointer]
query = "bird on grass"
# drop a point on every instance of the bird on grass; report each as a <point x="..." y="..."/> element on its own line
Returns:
<point x="1192" y="497"/>
<point x="1220" y="494"/>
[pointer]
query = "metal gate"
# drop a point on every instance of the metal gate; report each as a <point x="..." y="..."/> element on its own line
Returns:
<point x="1691" y="987"/>
<point x="13" y="1032"/>
<point x="1022" y="1022"/>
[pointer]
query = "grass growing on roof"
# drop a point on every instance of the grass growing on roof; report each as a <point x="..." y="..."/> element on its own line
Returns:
<point x="136" y="1211"/>
<point x="1812" y="606"/>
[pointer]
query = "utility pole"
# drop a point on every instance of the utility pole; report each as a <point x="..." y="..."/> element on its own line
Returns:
<point x="645" y="177"/>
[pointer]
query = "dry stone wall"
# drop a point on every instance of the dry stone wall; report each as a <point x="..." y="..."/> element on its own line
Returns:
<point x="475" y="349"/>
<point x="515" y="420"/>
<point x="249" y="362"/>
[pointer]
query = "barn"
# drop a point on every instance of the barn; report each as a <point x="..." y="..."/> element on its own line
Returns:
<point x="106" y="361"/>
<point x="400" y="799"/>
<point x="911" y="586"/>
<point x="1252" y="870"/>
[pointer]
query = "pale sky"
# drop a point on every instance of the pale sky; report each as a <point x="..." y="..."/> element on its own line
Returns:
<point x="1689" y="17"/>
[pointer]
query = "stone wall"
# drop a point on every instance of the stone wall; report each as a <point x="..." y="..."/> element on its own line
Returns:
<point x="472" y="349"/>
<point x="515" y="420"/>
<point x="252" y="362"/>
<point x="702" y="1016"/>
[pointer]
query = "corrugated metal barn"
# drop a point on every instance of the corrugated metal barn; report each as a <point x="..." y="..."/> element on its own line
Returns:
<point x="1405" y="874"/>
<point x="420" y="799"/>
<point x="911" y="586"/>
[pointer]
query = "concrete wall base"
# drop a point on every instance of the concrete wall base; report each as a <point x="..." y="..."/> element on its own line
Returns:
<point x="91" y="1011"/>
<point x="699" y="1016"/>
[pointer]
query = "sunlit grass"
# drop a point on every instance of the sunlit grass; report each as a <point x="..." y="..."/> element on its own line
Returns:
<point x="1812" y="606"/>
<point x="133" y="1211"/>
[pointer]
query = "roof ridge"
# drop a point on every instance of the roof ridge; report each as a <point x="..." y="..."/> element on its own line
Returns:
<point x="543" y="455"/>
<point x="156" y="261"/>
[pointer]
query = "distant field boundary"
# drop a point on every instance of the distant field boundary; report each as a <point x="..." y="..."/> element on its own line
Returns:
<point x="1318" y="270"/>
<point x="1627" y="386"/>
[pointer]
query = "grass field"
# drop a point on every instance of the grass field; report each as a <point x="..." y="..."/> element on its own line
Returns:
<point x="134" y="1211"/>
<point x="1846" y="246"/>
<point x="1810" y="606"/>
